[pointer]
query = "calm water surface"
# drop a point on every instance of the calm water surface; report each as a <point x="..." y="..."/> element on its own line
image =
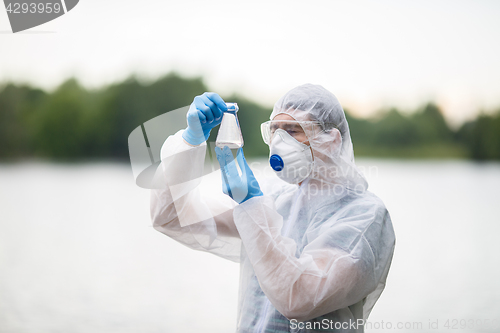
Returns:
<point x="78" y="253"/>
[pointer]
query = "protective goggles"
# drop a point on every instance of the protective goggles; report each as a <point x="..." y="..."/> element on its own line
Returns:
<point x="300" y="130"/>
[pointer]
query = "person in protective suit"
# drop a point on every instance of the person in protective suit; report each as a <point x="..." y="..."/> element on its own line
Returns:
<point x="314" y="250"/>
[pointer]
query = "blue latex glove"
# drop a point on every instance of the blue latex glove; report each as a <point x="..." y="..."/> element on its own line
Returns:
<point x="240" y="188"/>
<point x="205" y="113"/>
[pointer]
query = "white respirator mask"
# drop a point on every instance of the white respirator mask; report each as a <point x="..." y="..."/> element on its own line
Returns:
<point x="290" y="159"/>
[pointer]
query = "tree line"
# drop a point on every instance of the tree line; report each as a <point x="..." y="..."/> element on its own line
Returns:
<point x="75" y="123"/>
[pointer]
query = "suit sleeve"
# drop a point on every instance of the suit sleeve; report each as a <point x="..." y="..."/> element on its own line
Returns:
<point x="196" y="216"/>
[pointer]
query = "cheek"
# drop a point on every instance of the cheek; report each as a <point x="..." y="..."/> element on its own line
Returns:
<point x="302" y="138"/>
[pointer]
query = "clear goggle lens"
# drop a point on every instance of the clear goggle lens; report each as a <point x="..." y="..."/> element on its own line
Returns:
<point x="302" y="131"/>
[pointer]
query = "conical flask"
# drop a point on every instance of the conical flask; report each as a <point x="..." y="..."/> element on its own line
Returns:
<point x="229" y="131"/>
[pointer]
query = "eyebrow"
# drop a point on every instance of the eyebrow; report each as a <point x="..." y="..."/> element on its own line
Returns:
<point x="276" y="125"/>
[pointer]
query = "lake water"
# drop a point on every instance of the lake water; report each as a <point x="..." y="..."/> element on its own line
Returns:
<point x="78" y="253"/>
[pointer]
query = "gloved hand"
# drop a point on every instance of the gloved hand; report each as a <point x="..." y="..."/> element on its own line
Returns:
<point x="205" y="113"/>
<point x="240" y="188"/>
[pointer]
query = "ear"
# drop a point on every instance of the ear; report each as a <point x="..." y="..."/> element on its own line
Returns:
<point x="336" y="142"/>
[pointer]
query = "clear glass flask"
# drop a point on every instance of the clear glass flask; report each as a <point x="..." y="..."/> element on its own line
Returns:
<point x="229" y="131"/>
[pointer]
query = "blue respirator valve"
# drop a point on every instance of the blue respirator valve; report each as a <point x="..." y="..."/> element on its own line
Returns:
<point x="276" y="162"/>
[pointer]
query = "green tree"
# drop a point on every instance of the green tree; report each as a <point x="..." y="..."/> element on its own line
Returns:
<point x="482" y="136"/>
<point x="57" y="123"/>
<point x="431" y="125"/>
<point x="362" y="131"/>
<point x="75" y="123"/>
<point x="126" y="105"/>
<point x="395" y="130"/>
<point x="16" y="106"/>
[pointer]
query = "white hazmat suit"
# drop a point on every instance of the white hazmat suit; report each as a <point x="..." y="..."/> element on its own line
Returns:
<point x="315" y="256"/>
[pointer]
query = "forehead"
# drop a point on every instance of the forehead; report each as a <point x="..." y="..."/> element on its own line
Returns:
<point x="283" y="116"/>
<point x="293" y="114"/>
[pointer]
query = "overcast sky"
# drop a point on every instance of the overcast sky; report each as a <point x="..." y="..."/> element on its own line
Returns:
<point x="370" y="54"/>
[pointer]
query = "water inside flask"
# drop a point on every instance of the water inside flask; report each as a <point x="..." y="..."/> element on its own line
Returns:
<point x="229" y="131"/>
